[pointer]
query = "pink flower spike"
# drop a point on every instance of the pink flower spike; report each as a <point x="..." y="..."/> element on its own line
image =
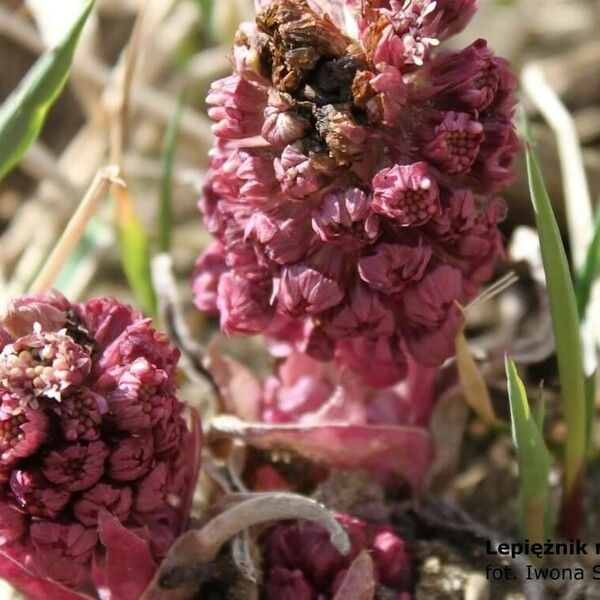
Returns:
<point x="140" y="400"/>
<point x="283" y="584"/>
<point x="152" y="490"/>
<point x="348" y="138"/>
<point x="80" y="415"/>
<point x="35" y="496"/>
<point x="364" y="315"/>
<point x="22" y="430"/>
<point x="103" y="496"/>
<point x="406" y="193"/>
<point x="243" y="303"/>
<point x="391" y="558"/>
<point x="62" y="551"/>
<point x="393" y="266"/>
<point x="76" y="467"/>
<point x="377" y="361"/>
<point x="85" y="390"/>
<point x="131" y="458"/>
<point x="303" y="289"/>
<point x="205" y="280"/>
<point x="346" y="216"/>
<point x="237" y="108"/>
<point x="455" y="143"/>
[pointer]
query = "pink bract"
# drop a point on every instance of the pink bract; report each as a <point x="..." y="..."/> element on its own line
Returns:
<point x="327" y="414"/>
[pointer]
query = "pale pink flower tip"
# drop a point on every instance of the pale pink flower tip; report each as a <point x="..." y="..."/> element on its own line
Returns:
<point x="138" y="403"/>
<point x="455" y="143"/>
<point x="80" y="415"/>
<point x="348" y="137"/>
<point x="22" y="429"/>
<point x="407" y="193"/>
<point x="43" y="364"/>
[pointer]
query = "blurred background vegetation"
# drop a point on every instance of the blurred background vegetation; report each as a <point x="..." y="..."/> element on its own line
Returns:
<point x="183" y="46"/>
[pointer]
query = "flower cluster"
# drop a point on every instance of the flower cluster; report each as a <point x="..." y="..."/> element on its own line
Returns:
<point x="352" y="183"/>
<point x="89" y="426"/>
<point x="307" y="392"/>
<point x="328" y="415"/>
<point x="301" y="563"/>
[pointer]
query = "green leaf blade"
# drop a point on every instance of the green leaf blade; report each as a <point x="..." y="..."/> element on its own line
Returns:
<point x="207" y="10"/>
<point x="533" y="458"/>
<point x="23" y="114"/>
<point x="589" y="271"/>
<point x="135" y="253"/>
<point x="565" y="323"/>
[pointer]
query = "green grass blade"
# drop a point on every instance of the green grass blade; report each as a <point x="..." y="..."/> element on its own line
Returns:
<point x="589" y="271"/>
<point x="565" y="322"/>
<point x="135" y="254"/>
<point x="24" y="112"/>
<point x="207" y="9"/>
<point x="165" y="216"/>
<point x="539" y="412"/>
<point x="533" y="459"/>
<point x="590" y="406"/>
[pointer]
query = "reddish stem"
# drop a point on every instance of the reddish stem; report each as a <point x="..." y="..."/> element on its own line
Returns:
<point x="571" y="514"/>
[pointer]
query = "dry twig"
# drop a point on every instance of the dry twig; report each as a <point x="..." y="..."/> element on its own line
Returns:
<point x="103" y="181"/>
